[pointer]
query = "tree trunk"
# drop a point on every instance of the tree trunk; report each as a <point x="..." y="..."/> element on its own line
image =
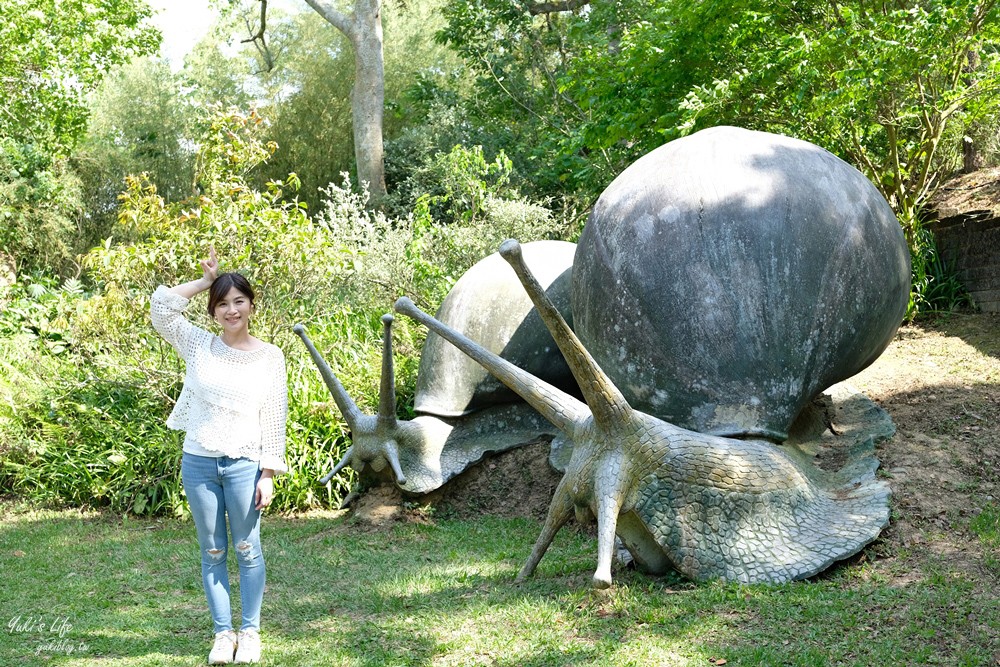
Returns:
<point x="368" y="98"/>
<point x="970" y="156"/>
<point x="364" y="30"/>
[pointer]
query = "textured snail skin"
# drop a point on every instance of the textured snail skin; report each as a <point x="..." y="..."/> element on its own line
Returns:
<point x="706" y="505"/>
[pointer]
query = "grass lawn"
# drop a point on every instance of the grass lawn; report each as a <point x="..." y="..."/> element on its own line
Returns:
<point x="91" y="589"/>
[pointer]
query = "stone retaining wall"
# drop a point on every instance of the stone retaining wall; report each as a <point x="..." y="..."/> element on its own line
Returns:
<point x="970" y="243"/>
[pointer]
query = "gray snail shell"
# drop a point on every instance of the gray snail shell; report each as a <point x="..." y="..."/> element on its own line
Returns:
<point x="490" y="305"/>
<point x="725" y="279"/>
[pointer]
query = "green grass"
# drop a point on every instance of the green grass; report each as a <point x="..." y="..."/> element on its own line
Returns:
<point x="986" y="525"/>
<point x="127" y="592"/>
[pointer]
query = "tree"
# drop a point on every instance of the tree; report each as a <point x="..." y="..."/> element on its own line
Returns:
<point x="890" y="87"/>
<point x="308" y="103"/>
<point x="363" y="28"/>
<point x="54" y="51"/>
<point x="880" y="86"/>
<point x="141" y="121"/>
<point x="884" y="86"/>
<point x="522" y="53"/>
<point x="301" y="74"/>
<point x="39" y="206"/>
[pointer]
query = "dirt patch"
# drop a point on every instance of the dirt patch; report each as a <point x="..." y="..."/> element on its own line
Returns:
<point x="515" y="483"/>
<point x="978" y="191"/>
<point x="939" y="381"/>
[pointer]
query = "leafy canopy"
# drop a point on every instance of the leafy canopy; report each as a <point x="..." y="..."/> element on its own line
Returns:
<point x="53" y="52"/>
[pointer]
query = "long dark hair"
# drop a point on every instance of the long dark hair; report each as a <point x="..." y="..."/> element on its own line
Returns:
<point x="221" y="286"/>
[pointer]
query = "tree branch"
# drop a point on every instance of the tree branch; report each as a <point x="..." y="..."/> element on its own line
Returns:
<point x="339" y="20"/>
<point x="499" y="81"/>
<point x="863" y="157"/>
<point x="836" y="13"/>
<point x="258" y="39"/>
<point x="263" y="24"/>
<point x="537" y="8"/>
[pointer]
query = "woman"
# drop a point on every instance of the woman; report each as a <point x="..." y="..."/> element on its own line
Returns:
<point x="233" y="409"/>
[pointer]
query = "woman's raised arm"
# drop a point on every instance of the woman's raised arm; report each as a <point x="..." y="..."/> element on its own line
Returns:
<point x="210" y="270"/>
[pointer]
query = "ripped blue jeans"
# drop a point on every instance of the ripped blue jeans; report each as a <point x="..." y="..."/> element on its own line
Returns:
<point x="215" y="488"/>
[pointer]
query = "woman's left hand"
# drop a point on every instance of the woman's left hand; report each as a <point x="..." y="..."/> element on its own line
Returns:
<point x="265" y="492"/>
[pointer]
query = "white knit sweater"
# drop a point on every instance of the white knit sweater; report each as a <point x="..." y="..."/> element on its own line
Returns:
<point x="233" y="401"/>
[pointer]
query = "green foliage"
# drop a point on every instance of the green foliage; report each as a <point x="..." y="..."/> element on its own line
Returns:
<point x="459" y="182"/>
<point x="302" y="83"/>
<point x="268" y="238"/>
<point x="308" y="102"/>
<point x="441" y="253"/>
<point x="465" y="206"/>
<point x="53" y="52"/>
<point x="877" y="88"/>
<point x="890" y="89"/>
<point x="40" y="202"/>
<point x="884" y="90"/>
<point x="90" y="442"/>
<point x="986" y="525"/>
<point x="100" y="414"/>
<point x="40" y="309"/>
<point x="337" y="274"/>
<point x="523" y="97"/>
<point x="34" y="346"/>
<point x="141" y="122"/>
<point x="72" y="435"/>
<point x="935" y="288"/>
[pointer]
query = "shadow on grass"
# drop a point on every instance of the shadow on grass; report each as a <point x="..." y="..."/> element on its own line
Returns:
<point x="980" y="330"/>
<point x="444" y="595"/>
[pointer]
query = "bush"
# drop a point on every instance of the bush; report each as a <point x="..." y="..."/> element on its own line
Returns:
<point x="120" y="373"/>
<point x="935" y="288"/>
<point x="40" y="202"/>
<point x="90" y="441"/>
<point x="91" y="430"/>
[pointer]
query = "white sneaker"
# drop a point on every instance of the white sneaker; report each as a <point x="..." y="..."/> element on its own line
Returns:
<point x="223" y="648"/>
<point x="248" y="647"/>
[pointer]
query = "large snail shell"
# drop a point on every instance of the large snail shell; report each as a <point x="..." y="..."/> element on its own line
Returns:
<point x="489" y="305"/>
<point x="726" y="278"/>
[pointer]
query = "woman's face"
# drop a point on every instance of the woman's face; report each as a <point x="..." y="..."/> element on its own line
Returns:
<point x="233" y="311"/>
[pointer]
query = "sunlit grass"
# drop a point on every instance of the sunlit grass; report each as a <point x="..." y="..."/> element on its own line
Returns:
<point x="128" y="593"/>
<point x="986" y="526"/>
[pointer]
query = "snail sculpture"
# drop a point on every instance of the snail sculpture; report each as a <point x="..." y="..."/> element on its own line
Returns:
<point x="722" y="283"/>
<point x="463" y="412"/>
<point x="724" y="279"/>
<point x="708" y="506"/>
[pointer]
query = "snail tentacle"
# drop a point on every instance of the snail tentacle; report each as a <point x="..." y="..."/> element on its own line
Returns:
<point x="558" y="407"/>
<point x="607" y="405"/>
<point x="387" y="386"/>
<point x="340" y="466"/>
<point x="352" y="414"/>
